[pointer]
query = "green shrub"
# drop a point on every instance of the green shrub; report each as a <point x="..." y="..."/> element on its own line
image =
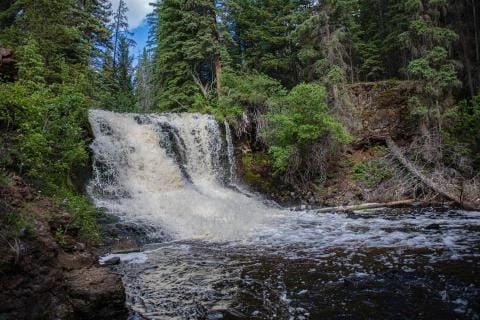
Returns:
<point x="242" y="91"/>
<point x="20" y="226"/>
<point x="47" y="121"/>
<point x="299" y="125"/>
<point x="59" y="236"/>
<point x="371" y="173"/>
<point x="462" y="132"/>
<point x="4" y="180"/>
<point x="84" y="215"/>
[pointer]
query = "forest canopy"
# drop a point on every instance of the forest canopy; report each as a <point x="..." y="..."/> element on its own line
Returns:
<point x="284" y="64"/>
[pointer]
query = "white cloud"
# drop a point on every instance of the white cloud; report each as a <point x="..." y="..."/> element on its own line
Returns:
<point x="137" y="10"/>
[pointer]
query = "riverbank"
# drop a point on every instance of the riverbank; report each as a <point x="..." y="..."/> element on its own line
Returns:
<point x="46" y="269"/>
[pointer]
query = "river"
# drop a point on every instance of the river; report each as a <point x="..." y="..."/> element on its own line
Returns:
<point x="226" y="253"/>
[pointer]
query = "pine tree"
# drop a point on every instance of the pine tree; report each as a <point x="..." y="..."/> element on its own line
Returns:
<point x="261" y="31"/>
<point x="97" y="15"/>
<point x="119" y="29"/>
<point x="187" y="56"/>
<point x="327" y="44"/>
<point x="124" y="99"/>
<point x="119" y="64"/>
<point x="143" y="82"/>
<point x="429" y="43"/>
<point x="124" y="66"/>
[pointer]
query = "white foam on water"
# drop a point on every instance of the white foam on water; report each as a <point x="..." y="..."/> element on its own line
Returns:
<point x="171" y="171"/>
<point x="136" y="178"/>
<point x="131" y="258"/>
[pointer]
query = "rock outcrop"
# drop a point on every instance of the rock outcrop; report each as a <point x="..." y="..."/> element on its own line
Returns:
<point x="377" y="110"/>
<point x="8" y="69"/>
<point x="42" y="277"/>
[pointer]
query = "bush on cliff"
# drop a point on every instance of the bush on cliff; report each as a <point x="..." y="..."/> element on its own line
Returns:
<point x="303" y="134"/>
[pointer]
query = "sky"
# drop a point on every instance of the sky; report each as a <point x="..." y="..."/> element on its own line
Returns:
<point x="138" y="10"/>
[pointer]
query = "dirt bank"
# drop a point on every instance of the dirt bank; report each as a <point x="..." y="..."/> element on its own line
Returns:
<point x="45" y="274"/>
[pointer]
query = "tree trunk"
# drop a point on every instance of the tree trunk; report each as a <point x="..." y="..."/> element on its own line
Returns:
<point x="218" y="58"/>
<point x="117" y="32"/>
<point x="218" y="73"/>
<point x="424" y="179"/>
<point x="475" y="28"/>
<point x="365" y="206"/>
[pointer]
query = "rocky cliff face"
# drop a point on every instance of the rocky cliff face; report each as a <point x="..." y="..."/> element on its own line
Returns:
<point x="376" y="110"/>
<point x="43" y="277"/>
<point x="8" y="68"/>
<point x="371" y="112"/>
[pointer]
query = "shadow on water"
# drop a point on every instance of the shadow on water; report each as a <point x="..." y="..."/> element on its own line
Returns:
<point x="202" y="280"/>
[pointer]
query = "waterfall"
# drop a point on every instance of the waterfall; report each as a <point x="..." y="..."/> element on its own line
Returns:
<point x="168" y="170"/>
<point x="230" y="152"/>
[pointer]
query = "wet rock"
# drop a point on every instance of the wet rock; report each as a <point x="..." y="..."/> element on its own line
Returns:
<point x="112" y="261"/>
<point x="125" y="246"/>
<point x="96" y="293"/>
<point x="50" y="278"/>
<point x="433" y="226"/>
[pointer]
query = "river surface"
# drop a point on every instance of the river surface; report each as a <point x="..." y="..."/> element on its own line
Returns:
<point x="225" y="253"/>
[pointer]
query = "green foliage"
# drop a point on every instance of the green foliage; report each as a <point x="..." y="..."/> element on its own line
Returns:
<point x="49" y="123"/>
<point x="250" y="161"/>
<point x="187" y="44"/>
<point x="59" y="236"/>
<point x="325" y="46"/>
<point x="4" y="180"/>
<point x="463" y="129"/>
<point x="435" y="70"/>
<point x="83" y="214"/>
<point x="297" y="121"/>
<point x="261" y="33"/>
<point x="242" y="91"/>
<point x="20" y="226"/>
<point x="371" y="173"/>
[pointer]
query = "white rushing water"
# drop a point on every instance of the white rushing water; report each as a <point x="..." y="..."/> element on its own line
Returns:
<point x="169" y="170"/>
<point x="232" y="253"/>
<point x="174" y="171"/>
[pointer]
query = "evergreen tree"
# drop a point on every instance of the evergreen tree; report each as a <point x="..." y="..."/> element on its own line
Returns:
<point x="326" y="40"/>
<point x="119" y="29"/>
<point x="187" y="56"/>
<point x="124" y="66"/>
<point x="124" y="98"/>
<point x="429" y="43"/>
<point x="261" y="31"/>
<point x="117" y="70"/>
<point x="143" y="82"/>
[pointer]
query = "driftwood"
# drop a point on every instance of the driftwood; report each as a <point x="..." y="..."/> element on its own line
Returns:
<point x="365" y="206"/>
<point x="398" y="154"/>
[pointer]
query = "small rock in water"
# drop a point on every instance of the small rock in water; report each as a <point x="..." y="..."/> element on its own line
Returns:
<point x="112" y="261"/>
<point x="433" y="226"/>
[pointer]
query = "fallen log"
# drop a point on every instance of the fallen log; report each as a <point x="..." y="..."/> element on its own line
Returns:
<point x="398" y="154"/>
<point x="365" y="206"/>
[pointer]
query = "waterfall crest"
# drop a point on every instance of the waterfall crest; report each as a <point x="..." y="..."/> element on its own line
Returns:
<point x="171" y="170"/>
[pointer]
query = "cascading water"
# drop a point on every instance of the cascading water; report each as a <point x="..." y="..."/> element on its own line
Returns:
<point x="230" y="152"/>
<point x="168" y="170"/>
<point x="232" y="256"/>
